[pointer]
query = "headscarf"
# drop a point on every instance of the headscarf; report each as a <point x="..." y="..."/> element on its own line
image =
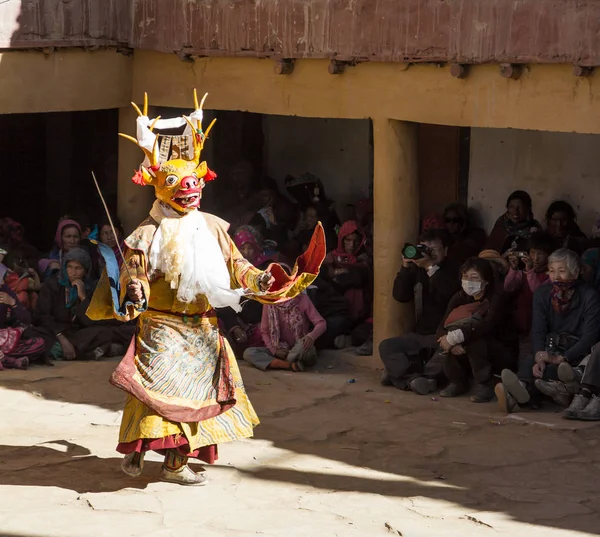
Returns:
<point x="247" y="234"/>
<point x="591" y="258"/>
<point x="562" y="294"/>
<point x="57" y="251"/>
<point x="286" y="314"/>
<point x="59" y="231"/>
<point x="433" y="221"/>
<point x="81" y="256"/>
<point x="521" y="230"/>
<point x="349" y="227"/>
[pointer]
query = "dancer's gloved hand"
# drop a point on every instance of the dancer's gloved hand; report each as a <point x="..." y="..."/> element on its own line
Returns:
<point x="265" y="281"/>
<point x="135" y="293"/>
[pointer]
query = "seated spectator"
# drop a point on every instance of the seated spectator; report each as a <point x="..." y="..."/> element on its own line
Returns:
<point x="477" y="334"/>
<point x="68" y="236"/>
<point x="498" y="262"/>
<point x="312" y="215"/>
<point x="433" y="221"/>
<point x="18" y="347"/>
<point x="243" y="328"/>
<point x="12" y="235"/>
<point x="249" y="242"/>
<point x="22" y="279"/>
<point x="561" y="223"/>
<point x="349" y="268"/>
<point x="527" y="272"/>
<point x="364" y="215"/>
<point x="308" y="190"/>
<point x="61" y="314"/>
<point x="585" y="405"/>
<point x="242" y="202"/>
<point x="277" y="221"/>
<point x="3" y="267"/>
<point x="465" y="241"/>
<point x="430" y="282"/>
<point x="594" y="240"/>
<point x="333" y="307"/>
<point x="287" y="335"/>
<point x="515" y="226"/>
<point x="590" y="267"/>
<point x="566" y="323"/>
<point x="106" y="236"/>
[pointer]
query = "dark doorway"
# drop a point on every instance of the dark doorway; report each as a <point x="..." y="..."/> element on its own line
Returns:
<point x="47" y="161"/>
<point x="443" y="161"/>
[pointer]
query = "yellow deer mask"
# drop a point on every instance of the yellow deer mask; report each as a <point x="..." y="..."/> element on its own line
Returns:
<point x="177" y="182"/>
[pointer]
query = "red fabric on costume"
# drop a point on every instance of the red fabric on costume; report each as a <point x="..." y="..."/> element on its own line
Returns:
<point x="208" y="454"/>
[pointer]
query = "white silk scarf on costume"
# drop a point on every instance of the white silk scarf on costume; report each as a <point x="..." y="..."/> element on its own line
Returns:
<point x="189" y="256"/>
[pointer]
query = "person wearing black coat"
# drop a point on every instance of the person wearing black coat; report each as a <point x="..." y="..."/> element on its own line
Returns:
<point x="430" y="282"/>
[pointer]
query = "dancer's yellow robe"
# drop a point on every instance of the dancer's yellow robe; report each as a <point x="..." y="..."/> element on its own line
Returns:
<point x="181" y="375"/>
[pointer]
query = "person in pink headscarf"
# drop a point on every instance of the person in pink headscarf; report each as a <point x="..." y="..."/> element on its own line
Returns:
<point x="248" y="242"/>
<point x="243" y="328"/>
<point x="68" y="236"/>
<point x="348" y="266"/>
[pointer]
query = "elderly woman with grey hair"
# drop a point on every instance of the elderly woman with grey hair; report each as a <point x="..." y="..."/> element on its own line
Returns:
<point x="566" y="324"/>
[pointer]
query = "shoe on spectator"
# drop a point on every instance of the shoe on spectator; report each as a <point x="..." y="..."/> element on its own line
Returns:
<point x="385" y="379"/>
<point x="423" y="386"/>
<point x="298" y="366"/>
<point x="569" y="374"/>
<point x="98" y="353"/>
<point x="342" y="342"/>
<point x="454" y="390"/>
<point x="296" y="352"/>
<point x="482" y="394"/>
<point x="592" y="411"/>
<point x="514" y="387"/>
<point x="309" y="358"/>
<point x="366" y="349"/>
<point x="116" y="349"/>
<point x="579" y="403"/>
<point x="506" y="402"/>
<point x="557" y="390"/>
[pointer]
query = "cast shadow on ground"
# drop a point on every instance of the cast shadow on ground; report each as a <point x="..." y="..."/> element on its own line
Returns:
<point x="74" y="469"/>
<point x="535" y="475"/>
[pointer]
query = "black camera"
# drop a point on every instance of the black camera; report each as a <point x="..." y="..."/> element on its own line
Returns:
<point x="415" y="251"/>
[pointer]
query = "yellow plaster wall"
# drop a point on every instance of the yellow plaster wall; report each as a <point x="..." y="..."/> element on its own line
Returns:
<point x="395" y="193"/>
<point x="547" y="97"/>
<point x="67" y="80"/>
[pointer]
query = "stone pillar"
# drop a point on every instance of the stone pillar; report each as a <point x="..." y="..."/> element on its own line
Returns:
<point x="396" y="204"/>
<point x="134" y="201"/>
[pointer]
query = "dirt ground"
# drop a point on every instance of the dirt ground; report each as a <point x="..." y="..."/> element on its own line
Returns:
<point x="330" y="458"/>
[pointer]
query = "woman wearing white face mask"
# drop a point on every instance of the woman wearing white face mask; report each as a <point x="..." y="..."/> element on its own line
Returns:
<point x="478" y="334"/>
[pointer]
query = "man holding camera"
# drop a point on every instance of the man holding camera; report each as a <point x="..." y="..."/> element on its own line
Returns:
<point x="430" y="279"/>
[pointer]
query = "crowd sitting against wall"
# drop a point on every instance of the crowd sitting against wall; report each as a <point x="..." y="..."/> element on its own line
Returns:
<point x="44" y="295"/>
<point x="514" y="318"/>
